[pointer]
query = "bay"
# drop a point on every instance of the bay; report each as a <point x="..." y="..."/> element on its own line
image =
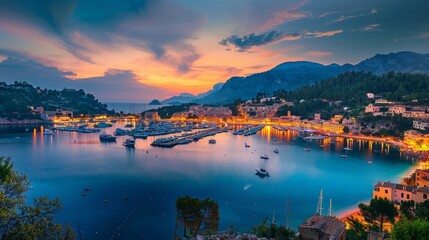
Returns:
<point x="65" y="164"/>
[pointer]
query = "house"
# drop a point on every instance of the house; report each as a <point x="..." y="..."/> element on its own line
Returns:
<point x="381" y="101"/>
<point x="322" y="228"/>
<point x="420" y="125"/>
<point x="392" y="191"/>
<point x="370" y="95"/>
<point x="422" y="177"/>
<point x="151" y="115"/>
<point x="372" y="109"/>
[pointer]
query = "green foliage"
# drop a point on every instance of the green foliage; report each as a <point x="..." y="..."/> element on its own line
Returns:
<point x="272" y="231"/>
<point x="406" y="210"/>
<point x="5" y="169"/>
<point x="351" y="87"/>
<point x="378" y="212"/>
<point x="235" y="107"/>
<point x="346" y="129"/>
<point x="422" y="210"/>
<point x="197" y="216"/>
<point x="411" y="230"/>
<point x="168" y="111"/>
<point x="15" y="99"/>
<point x="357" y="230"/>
<point x="21" y="221"/>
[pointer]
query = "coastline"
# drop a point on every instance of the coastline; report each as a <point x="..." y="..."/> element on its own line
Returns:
<point x="5" y="121"/>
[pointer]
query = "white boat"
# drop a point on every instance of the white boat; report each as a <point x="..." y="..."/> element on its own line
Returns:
<point x="129" y="143"/>
<point x="262" y="172"/>
<point x="307" y="149"/>
<point x="370" y="162"/>
<point x="265" y="156"/>
<point x="343" y="156"/>
<point x="347" y="149"/>
<point x="276" y="150"/>
<point x="104" y="137"/>
<point x="212" y="141"/>
<point x="48" y="131"/>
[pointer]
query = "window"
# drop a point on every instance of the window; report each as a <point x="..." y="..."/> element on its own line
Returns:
<point x="425" y="196"/>
<point x="408" y="196"/>
<point x="402" y="195"/>
<point x="386" y="191"/>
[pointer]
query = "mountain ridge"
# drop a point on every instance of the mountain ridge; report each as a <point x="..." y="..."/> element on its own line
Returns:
<point x="292" y="75"/>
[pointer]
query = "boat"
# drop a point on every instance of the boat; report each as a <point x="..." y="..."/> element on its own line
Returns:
<point x="128" y="125"/>
<point x="48" y="131"/>
<point x="102" y="125"/>
<point x="212" y="141"/>
<point x="184" y="141"/>
<point x="262" y="172"/>
<point x="276" y="150"/>
<point x="307" y="149"/>
<point x="104" y="137"/>
<point x="347" y="149"/>
<point x="129" y="143"/>
<point x="246" y="145"/>
<point x="140" y="135"/>
<point x="83" y="194"/>
<point x="87" y="189"/>
<point x="106" y="201"/>
<point x="370" y="162"/>
<point x="343" y="156"/>
<point x="265" y="156"/>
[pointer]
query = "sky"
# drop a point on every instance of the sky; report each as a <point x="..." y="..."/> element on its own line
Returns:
<point x="139" y="50"/>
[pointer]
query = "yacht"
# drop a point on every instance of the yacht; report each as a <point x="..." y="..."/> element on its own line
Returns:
<point x="212" y="141"/>
<point x="48" y="131"/>
<point x="262" y="172"/>
<point x="104" y="137"/>
<point x="347" y="149"/>
<point x="276" y="150"/>
<point x="129" y="143"/>
<point x="265" y="156"/>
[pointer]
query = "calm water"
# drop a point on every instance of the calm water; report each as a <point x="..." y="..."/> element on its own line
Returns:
<point x="152" y="178"/>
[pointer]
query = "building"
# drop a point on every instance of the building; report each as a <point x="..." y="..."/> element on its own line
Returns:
<point x="420" y="125"/>
<point x="151" y="115"/>
<point x="392" y="191"/>
<point x="422" y="177"/>
<point x="322" y="228"/>
<point x="370" y="95"/>
<point x="337" y="118"/>
<point x="371" y="108"/>
<point x="317" y="116"/>
<point x="397" y="109"/>
<point x="381" y="101"/>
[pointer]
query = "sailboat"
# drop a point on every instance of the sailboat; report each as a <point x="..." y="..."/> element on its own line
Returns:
<point x="265" y="156"/>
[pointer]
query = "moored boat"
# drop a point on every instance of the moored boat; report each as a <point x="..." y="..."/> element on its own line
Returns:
<point x="262" y="172"/>
<point x="104" y="137"/>
<point x="129" y="143"/>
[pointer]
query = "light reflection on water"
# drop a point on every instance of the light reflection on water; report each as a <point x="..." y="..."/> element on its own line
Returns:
<point x="152" y="178"/>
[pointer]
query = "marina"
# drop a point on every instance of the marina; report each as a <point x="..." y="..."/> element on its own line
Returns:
<point x="85" y="173"/>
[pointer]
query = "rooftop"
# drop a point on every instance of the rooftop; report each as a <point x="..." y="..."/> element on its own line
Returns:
<point x="328" y="225"/>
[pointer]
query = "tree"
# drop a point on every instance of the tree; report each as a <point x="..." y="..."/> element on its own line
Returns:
<point x="196" y="216"/>
<point x="272" y="231"/>
<point x="346" y="129"/>
<point x="378" y="212"/>
<point x="422" y="210"/>
<point x="407" y="210"/>
<point x="410" y="181"/>
<point x="5" y="169"/>
<point x="357" y="230"/>
<point x="21" y="221"/>
<point x="410" y="230"/>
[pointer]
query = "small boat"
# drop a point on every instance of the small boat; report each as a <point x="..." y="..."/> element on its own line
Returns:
<point x="343" y="156"/>
<point x="87" y="189"/>
<point x="125" y="197"/>
<point x="104" y="137"/>
<point x="212" y="141"/>
<point x="102" y="125"/>
<point x="262" y="172"/>
<point x="347" y="149"/>
<point x="370" y="162"/>
<point x="246" y="145"/>
<point x="276" y="150"/>
<point x="48" y="131"/>
<point x="140" y="135"/>
<point x="265" y="156"/>
<point x="128" y="125"/>
<point x="106" y="201"/>
<point x="307" y="149"/>
<point x="83" y="194"/>
<point x="129" y="143"/>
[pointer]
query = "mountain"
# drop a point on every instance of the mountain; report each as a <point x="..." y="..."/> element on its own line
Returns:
<point x="187" y="97"/>
<point x="292" y="75"/>
<point x="155" y="102"/>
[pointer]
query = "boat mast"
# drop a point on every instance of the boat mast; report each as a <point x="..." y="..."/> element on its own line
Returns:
<point x="330" y="207"/>
<point x="319" y="209"/>
<point x="273" y="221"/>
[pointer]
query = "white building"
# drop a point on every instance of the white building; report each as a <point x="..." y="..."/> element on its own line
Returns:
<point x="420" y="125"/>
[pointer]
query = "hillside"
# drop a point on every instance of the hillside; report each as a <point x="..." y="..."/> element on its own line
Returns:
<point x="15" y="99"/>
<point x="187" y="97"/>
<point x="292" y="75"/>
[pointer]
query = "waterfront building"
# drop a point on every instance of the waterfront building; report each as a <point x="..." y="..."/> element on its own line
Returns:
<point x="151" y="116"/>
<point x="322" y="227"/>
<point x="393" y="191"/>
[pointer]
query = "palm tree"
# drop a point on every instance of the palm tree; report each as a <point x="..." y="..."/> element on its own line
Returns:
<point x="410" y="181"/>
